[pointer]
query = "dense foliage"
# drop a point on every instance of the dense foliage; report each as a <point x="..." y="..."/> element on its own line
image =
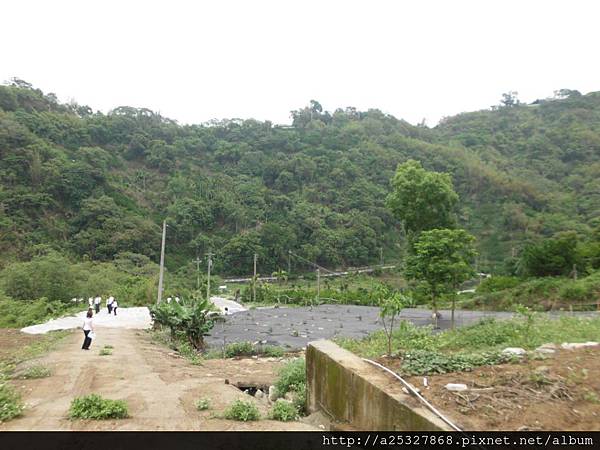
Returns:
<point x="93" y="185"/>
<point x="95" y="407"/>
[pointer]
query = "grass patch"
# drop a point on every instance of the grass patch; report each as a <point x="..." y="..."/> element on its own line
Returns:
<point x="242" y="410"/>
<point x="10" y="402"/>
<point x="244" y="349"/>
<point x="202" y="404"/>
<point x="34" y="372"/>
<point x="464" y="348"/>
<point x="283" y="411"/>
<point x="105" y="351"/>
<point x="97" y="408"/>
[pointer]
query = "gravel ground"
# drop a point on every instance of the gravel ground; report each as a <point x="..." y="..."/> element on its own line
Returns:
<point x="295" y="327"/>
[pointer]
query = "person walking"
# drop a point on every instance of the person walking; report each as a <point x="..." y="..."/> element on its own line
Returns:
<point x="115" y="305"/>
<point x="91" y="302"/>
<point x="88" y="327"/>
<point x="109" y="302"/>
<point x="97" y="302"/>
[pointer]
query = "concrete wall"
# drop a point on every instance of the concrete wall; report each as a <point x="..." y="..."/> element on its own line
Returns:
<point x="360" y="396"/>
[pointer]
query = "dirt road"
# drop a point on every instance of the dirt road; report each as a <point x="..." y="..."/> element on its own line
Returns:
<point x="160" y="388"/>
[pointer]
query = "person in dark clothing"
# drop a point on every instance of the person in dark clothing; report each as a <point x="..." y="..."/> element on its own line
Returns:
<point x="88" y="327"/>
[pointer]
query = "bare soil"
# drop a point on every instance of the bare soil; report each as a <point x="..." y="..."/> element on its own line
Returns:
<point x="160" y="388"/>
<point x="561" y="392"/>
<point x="12" y="339"/>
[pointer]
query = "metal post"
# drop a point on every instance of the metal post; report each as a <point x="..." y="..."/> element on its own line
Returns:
<point x="209" y="260"/>
<point x="162" y="262"/>
<point x="254" y="281"/>
<point x="318" y="283"/>
<point x="197" y="261"/>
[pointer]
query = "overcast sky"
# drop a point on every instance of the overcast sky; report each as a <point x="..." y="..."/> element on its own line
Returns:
<point x="198" y="60"/>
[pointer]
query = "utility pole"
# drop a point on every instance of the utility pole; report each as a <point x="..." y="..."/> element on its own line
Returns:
<point x="318" y="284"/>
<point x="197" y="261"/>
<point x="162" y="262"/>
<point x="209" y="260"/>
<point x="254" y="280"/>
<point x="289" y="263"/>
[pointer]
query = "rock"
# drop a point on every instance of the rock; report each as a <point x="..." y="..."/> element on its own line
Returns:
<point x="514" y="351"/>
<point x="272" y="393"/>
<point x="546" y="348"/>
<point x="456" y="387"/>
<point x="576" y="345"/>
<point x="523" y="428"/>
<point x="259" y="394"/>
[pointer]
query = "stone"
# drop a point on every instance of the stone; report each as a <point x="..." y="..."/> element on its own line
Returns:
<point x="272" y="393"/>
<point x="259" y="394"/>
<point x="456" y="387"/>
<point x="514" y="351"/>
<point x="576" y="345"/>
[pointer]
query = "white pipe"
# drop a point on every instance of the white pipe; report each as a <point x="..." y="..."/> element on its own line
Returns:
<point x="419" y="396"/>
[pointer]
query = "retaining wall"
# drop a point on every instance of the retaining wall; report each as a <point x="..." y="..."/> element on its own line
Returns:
<point x="360" y="396"/>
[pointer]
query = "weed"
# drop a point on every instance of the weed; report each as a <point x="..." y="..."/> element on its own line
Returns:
<point x="272" y="351"/>
<point x="292" y="376"/>
<point x="105" y="351"/>
<point x="10" y="402"/>
<point x="35" y="372"/>
<point x="591" y="396"/>
<point x="239" y="349"/>
<point x="97" y="408"/>
<point x="202" y="404"/>
<point x="242" y="410"/>
<point x="283" y="411"/>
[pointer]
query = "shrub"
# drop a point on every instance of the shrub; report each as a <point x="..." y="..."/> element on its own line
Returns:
<point x="292" y="376"/>
<point x="299" y="399"/>
<point x="425" y="362"/>
<point x="10" y="403"/>
<point x="497" y="283"/>
<point x="97" y="408"/>
<point x="202" y="404"/>
<point x="283" y="411"/>
<point x="35" y="372"/>
<point x="105" y="351"/>
<point x="239" y="349"/>
<point x="272" y="351"/>
<point x="242" y="410"/>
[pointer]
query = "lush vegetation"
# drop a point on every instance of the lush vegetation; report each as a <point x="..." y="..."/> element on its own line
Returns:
<point x="35" y="371"/>
<point x="292" y="379"/>
<point x="95" y="407"/>
<point x="283" y="411"/>
<point x="187" y="319"/>
<point x="242" y="410"/>
<point x="83" y="195"/>
<point x="11" y="405"/>
<point x="424" y="351"/>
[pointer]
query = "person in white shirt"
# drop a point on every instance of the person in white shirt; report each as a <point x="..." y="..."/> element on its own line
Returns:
<point x="169" y="299"/>
<point x="88" y="327"/>
<point x="91" y="302"/>
<point x="97" y="302"/>
<point x="177" y="299"/>
<point x="115" y="305"/>
<point x="109" y="302"/>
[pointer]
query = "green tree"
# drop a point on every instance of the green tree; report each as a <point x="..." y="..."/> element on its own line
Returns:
<point x="442" y="260"/>
<point x="421" y="199"/>
<point x="551" y="257"/>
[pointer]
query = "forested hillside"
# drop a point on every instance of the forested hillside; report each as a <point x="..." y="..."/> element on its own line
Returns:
<point x="94" y="186"/>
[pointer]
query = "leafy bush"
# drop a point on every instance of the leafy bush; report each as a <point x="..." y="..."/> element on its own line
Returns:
<point x="243" y="411"/>
<point x="34" y="372"/>
<point x="272" y="351"/>
<point x="283" y="411"/>
<point x="299" y="398"/>
<point x="419" y="362"/>
<point x="498" y="283"/>
<point x="187" y="318"/>
<point x="292" y="376"/>
<point x="202" y="404"/>
<point x="105" y="351"/>
<point x="95" y="407"/>
<point x="239" y="349"/>
<point x="10" y="402"/>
